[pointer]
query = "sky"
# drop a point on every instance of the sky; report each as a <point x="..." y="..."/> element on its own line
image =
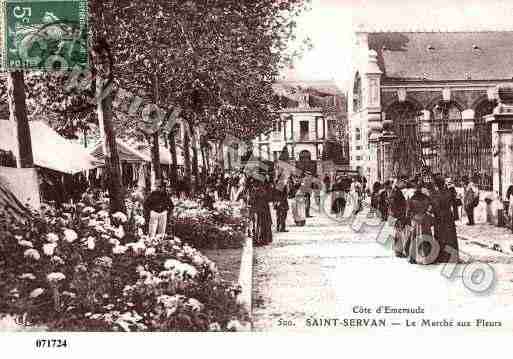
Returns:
<point x="330" y="25"/>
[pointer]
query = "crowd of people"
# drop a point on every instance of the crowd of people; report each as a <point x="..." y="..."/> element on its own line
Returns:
<point x="423" y="211"/>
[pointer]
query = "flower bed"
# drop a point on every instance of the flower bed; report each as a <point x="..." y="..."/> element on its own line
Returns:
<point x="224" y="227"/>
<point x="81" y="269"/>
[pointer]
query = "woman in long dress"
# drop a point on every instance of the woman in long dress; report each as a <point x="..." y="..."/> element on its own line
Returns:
<point x="263" y="197"/>
<point x="421" y="237"/>
<point x="444" y="227"/>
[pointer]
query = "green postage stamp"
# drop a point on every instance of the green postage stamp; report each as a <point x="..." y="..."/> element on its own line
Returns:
<point x="44" y="35"/>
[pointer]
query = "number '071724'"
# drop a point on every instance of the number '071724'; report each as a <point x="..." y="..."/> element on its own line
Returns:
<point x="51" y="343"/>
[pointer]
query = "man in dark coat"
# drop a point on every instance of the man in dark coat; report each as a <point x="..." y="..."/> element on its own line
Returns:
<point x="282" y="205"/>
<point x="157" y="208"/>
<point x="307" y="190"/>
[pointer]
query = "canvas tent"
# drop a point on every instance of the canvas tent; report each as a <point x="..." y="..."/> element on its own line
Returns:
<point x="9" y="202"/>
<point x="126" y="153"/>
<point x="49" y="149"/>
<point x="165" y="156"/>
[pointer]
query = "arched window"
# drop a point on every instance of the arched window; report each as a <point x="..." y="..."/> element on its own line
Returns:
<point x="483" y="129"/>
<point x="446" y="117"/>
<point x="357" y="93"/>
<point x="305" y="155"/>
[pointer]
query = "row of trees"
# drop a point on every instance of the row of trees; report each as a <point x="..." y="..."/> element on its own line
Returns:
<point x="214" y="60"/>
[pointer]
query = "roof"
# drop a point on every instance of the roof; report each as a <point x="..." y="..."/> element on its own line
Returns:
<point x="9" y="202"/>
<point x="137" y="154"/>
<point x="441" y="56"/>
<point x="49" y="149"/>
<point x="126" y="152"/>
<point x="165" y="155"/>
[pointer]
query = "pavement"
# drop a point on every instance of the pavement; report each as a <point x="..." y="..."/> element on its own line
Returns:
<point x="487" y="235"/>
<point x="326" y="276"/>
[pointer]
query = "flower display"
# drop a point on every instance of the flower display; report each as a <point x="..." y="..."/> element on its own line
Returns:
<point x="36" y="292"/>
<point x="70" y="235"/>
<point x="32" y="253"/>
<point x="49" y="248"/>
<point x="55" y="277"/>
<point x="110" y="276"/>
<point x="52" y="237"/>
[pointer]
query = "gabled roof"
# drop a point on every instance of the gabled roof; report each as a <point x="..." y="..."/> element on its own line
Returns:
<point x="49" y="149"/>
<point x="441" y="56"/>
<point x="126" y="152"/>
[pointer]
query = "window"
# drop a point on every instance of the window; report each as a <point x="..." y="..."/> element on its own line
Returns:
<point x="358" y="135"/>
<point x="358" y="158"/>
<point x="332" y="130"/>
<point x="358" y="148"/>
<point x="277" y="126"/>
<point x="446" y="118"/>
<point x="276" y="155"/>
<point x="357" y="93"/>
<point x="303" y="130"/>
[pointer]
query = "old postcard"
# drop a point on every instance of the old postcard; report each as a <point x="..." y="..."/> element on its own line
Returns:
<point x="329" y="167"/>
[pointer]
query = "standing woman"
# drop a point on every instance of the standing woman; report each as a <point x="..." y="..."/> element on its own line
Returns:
<point x="419" y="206"/>
<point x="509" y="198"/>
<point x="300" y="202"/>
<point x="263" y="197"/>
<point x="444" y="227"/>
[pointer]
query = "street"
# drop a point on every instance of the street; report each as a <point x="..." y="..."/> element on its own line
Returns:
<point x="324" y="276"/>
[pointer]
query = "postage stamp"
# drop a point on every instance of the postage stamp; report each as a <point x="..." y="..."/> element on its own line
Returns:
<point x="47" y="35"/>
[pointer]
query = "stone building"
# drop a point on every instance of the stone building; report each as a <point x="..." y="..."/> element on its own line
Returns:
<point x="304" y="125"/>
<point x="422" y="99"/>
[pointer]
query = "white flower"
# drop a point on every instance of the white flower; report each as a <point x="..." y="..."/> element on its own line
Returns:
<point x="195" y="304"/>
<point x="88" y="210"/>
<point x="36" y="292"/>
<point x="190" y="270"/>
<point x="172" y="263"/>
<point x="49" y="248"/>
<point x="91" y="243"/>
<point x="27" y="276"/>
<point x="119" y="232"/>
<point x="197" y="260"/>
<point x="52" y="237"/>
<point x="234" y="325"/>
<point x="57" y="260"/>
<point x="32" y="253"/>
<point x="70" y="235"/>
<point x="120" y="216"/>
<point x="139" y="220"/>
<point x="92" y="223"/>
<point x="103" y="214"/>
<point x="119" y="249"/>
<point x="55" y="277"/>
<point x="150" y="251"/>
<point x="114" y="242"/>
<point x="214" y="327"/>
<point x="104" y="261"/>
<point x="25" y="243"/>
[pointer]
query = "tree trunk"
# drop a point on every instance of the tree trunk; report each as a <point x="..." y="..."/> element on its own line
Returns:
<point x="195" y="170"/>
<point x="155" y="157"/>
<point x="187" y="156"/>
<point x="174" y="160"/>
<point x="85" y="137"/>
<point x="220" y="154"/>
<point x="18" y="113"/>
<point x="110" y="149"/>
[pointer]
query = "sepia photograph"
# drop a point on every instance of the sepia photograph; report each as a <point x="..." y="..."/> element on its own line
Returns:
<point x="304" y="167"/>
